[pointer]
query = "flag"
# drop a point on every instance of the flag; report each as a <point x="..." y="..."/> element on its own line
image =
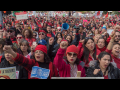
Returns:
<point x="98" y="13"/>
<point x="106" y="15"/>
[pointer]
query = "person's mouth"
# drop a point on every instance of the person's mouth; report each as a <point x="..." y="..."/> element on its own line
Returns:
<point x="38" y="57"/>
<point x="71" y="59"/>
<point x="117" y="52"/>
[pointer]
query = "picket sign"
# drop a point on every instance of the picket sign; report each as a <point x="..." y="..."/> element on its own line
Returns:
<point x="21" y="15"/>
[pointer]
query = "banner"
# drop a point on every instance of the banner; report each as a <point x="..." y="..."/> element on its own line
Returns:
<point x="8" y="73"/>
<point x="21" y="15"/>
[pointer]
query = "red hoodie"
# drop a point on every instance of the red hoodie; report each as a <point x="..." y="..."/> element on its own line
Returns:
<point x="81" y="49"/>
<point x="63" y="67"/>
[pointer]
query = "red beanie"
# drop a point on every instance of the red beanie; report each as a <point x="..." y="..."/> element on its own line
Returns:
<point x="43" y="48"/>
<point x="72" y="48"/>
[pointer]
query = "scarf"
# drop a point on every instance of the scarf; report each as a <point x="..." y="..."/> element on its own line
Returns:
<point x="101" y="49"/>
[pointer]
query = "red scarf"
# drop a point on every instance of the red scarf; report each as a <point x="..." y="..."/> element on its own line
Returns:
<point x="101" y="49"/>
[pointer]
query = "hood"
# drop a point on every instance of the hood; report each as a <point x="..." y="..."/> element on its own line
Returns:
<point x="94" y="63"/>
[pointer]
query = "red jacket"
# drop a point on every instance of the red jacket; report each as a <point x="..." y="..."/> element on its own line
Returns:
<point x="63" y="66"/>
<point x="81" y="49"/>
<point x="29" y="63"/>
<point x="114" y="59"/>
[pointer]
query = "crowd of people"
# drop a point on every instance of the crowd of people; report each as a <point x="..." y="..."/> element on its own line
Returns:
<point x="85" y="46"/>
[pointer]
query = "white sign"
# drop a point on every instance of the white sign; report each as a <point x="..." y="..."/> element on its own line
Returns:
<point x="21" y="15"/>
<point x="109" y="31"/>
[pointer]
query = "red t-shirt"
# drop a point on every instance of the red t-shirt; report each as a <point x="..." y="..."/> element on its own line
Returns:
<point x="49" y="35"/>
<point x="30" y="41"/>
<point x="105" y="77"/>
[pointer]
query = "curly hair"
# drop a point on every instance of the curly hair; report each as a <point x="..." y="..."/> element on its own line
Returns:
<point x="30" y="32"/>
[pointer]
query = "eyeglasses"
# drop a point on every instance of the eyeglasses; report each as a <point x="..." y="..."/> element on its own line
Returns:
<point x="10" y="31"/>
<point x="19" y="37"/>
<point x="117" y="36"/>
<point x="70" y="54"/>
<point x="41" y="34"/>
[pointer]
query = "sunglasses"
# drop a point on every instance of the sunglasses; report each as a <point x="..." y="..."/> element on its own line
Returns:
<point x="70" y="54"/>
<point x="41" y="34"/>
<point x="19" y="37"/>
<point x="10" y="31"/>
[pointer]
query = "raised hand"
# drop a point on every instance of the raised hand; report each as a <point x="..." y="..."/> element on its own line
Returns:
<point x="63" y="44"/>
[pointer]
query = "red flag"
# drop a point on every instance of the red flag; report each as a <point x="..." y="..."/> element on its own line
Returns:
<point x="98" y="13"/>
<point x="106" y="15"/>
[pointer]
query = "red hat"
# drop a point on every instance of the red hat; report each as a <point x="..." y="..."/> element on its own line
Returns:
<point x="72" y="48"/>
<point x="42" y="48"/>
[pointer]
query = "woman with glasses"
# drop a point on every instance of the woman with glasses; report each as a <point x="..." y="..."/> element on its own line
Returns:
<point x="41" y="60"/>
<point x="88" y="51"/>
<point x="113" y="48"/>
<point x="70" y="64"/>
<point x="42" y="35"/>
<point x="19" y="38"/>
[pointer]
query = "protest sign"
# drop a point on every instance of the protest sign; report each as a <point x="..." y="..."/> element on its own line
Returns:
<point x="39" y="72"/>
<point x="109" y="31"/>
<point x="21" y="15"/>
<point x="8" y="73"/>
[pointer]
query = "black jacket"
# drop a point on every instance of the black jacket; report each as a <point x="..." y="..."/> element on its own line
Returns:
<point x="113" y="71"/>
<point x="23" y="73"/>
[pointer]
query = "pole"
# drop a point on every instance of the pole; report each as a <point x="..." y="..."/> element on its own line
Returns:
<point x="1" y="19"/>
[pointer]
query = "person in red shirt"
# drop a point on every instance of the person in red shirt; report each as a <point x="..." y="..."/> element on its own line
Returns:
<point x="101" y="44"/>
<point x="50" y="34"/>
<point x="28" y="35"/>
<point x="88" y="51"/>
<point x="114" y="50"/>
<point x="40" y="59"/>
<point x="69" y="65"/>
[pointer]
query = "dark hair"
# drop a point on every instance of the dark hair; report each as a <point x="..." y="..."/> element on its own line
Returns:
<point x="70" y="36"/>
<point x="104" y="41"/>
<point x="101" y="55"/>
<point x="57" y="34"/>
<point x="76" y="62"/>
<point x="46" y="58"/>
<point x="86" y="50"/>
